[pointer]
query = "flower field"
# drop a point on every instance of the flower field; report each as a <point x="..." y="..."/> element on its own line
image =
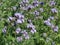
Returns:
<point x="29" y="22"/>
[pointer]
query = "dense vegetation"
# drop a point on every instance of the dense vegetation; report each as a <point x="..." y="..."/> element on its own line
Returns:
<point x="29" y="22"/>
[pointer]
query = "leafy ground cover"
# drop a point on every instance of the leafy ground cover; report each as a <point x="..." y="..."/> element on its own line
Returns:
<point x="29" y="22"/>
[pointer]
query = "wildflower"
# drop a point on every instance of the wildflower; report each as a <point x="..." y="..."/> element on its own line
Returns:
<point x="27" y="37"/>
<point x="21" y="17"/>
<point x="25" y="34"/>
<point x="19" y="39"/>
<point x="30" y="7"/>
<point x="51" y="17"/>
<point x="29" y="21"/>
<point x="36" y="13"/>
<point x="4" y="29"/>
<point x="30" y="25"/>
<point x="19" y="21"/>
<point x="41" y="10"/>
<point x="55" y="28"/>
<point x="44" y="34"/>
<point x="41" y="3"/>
<point x="25" y="1"/>
<point x="48" y="19"/>
<point x="33" y="31"/>
<point x="35" y="3"/>
<point x="17" y="15"/>
<point x="47" y="22"/>
<point x="52" y="3"/>
<point x="10" y="19"/>
<point x="53" y="10"/>
<point x="52" y="26"/>
<point x="18" y="30"/>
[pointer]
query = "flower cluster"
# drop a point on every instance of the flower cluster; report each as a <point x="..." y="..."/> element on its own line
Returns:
<point x="26" y="19"/>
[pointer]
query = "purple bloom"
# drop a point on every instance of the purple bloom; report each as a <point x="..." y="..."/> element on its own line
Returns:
<point x="52" y="3"/>
<point x="53" y="10"/>
<point x="18" y="30"/>
<point x="36" y="13"/>
<point x="18" y="15"/>
<point x="30" y="25"/>
<point x="19" y="21"/>
<point x="35" y="3"/>
<point x="19" y="39"/>
<point x="25" y="34"/>
<point x="41" y="3"/>
<point x="47" y="22"/>
<point x="33" y="31"/>
<point x="27" y="37"/>
<point x="55" y="28"/>
<point x="30" y="6"/>
<point x="25" y="1"/>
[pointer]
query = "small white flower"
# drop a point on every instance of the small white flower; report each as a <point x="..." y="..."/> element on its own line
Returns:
<point x="52" y="26"/>
<point x="41" y="10"/>
<point x="14" y="8"/>
<point x="44" y="34"/>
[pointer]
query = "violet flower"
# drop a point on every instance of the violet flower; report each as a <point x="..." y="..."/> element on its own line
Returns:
<point x="27" y="37"/>
<point x="19" y="21"/>
<point x="52" y="3"/>
<point x="35" y="3"/>
<point x="53" y="10"/>
<point x="25" y="34"/>
<point x="47" y="22"/>
<point x="25" y="1"/>
<point x="36" y="13"/>
<point x="30" y="25"/>
<point x="18" y="30"/>
<point x="19" y="39"/>
<point x="55" y="28"/>
<point x="33" y="31"/>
